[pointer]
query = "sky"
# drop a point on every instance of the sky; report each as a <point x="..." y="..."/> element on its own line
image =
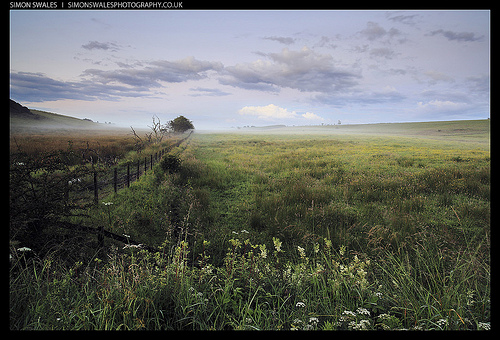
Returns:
<point x="224" y="69"/>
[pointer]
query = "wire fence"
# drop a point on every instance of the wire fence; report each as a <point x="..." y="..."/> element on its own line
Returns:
<point x="101" y="183"/>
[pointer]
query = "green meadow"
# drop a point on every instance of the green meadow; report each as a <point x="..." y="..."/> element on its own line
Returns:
<point x="346" y="227"/>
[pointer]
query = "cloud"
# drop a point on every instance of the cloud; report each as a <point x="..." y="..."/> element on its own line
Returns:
<point x="363" y="97"/>
<point x="282" y="40"/>
<point x="304" y="70"/>
<point x="441" y="105"/>
<point x="127" y="81"/>
<point x="268" y="112"/>
<point x="95" y="45"/>
<point x="436" y="76"/>
<point x="404" y="19"/>
<point x="458" y="36"/>
<point x="203" y="91"/>
<point x="37" y="87"/>
<point x="374" y="31"/>
<point x="311" y="116"/>
<point x="274" y="112"/>
<point x="154" y="72"/>
<point x="382" y="52"/>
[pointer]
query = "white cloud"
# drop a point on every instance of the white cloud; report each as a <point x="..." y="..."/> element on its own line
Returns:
<point x="267" y="112"/>
<point x="311" y="116"/>
<point x="274" y="112"/>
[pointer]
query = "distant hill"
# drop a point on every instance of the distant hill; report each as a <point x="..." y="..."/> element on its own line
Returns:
<point x="21" y="112"/>
<point x="22" y="118"/>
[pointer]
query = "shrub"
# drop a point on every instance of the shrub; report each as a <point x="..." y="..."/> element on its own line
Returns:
<point x="171" y="163"/>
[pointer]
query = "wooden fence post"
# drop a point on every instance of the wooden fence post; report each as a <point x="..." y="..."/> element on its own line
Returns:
<point x="145" y="164"/>
<point x="115" y="180"/>
<point x="128" y="175"/>
<point x="96" y="189"/>
<point x="100" y="236"/>
<point x="138" y="166"/>
<point x="151" y="162"/>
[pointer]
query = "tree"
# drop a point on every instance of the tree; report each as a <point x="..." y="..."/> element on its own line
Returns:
<point x="179" y="125"/>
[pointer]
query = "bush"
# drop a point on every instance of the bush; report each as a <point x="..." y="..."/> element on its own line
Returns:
<point x="171" y="163"/>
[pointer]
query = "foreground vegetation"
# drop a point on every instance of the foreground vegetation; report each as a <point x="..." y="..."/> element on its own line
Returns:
<point x="275" y="231"/>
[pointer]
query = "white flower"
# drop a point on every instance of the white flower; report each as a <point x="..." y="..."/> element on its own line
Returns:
<point x="244" y="231"/>
<point x="348" y="312"/>
<point x="263" y="250"/>
<point x="277" y="244"/>
<point x="363" y="311"/>
<point x="316" y="248"/>
<point x="24" y="249"/>
<point x="484" y="326"/>
<point x="442" y="322"/>
<point x="107" y="203"/>
<point x="364" y="324"/>
<point x="300" y="304"/>
<point x="132" y="246"/>
<point x="313" y="320"/>
<point x="384" y="316"/>
<point x="301" y="251"/>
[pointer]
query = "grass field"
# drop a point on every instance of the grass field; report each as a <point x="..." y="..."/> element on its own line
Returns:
<point x="352" y="227"/>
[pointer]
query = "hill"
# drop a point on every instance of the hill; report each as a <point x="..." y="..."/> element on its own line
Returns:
<point x="23" y="119"/>
<point x="469" y="131"/>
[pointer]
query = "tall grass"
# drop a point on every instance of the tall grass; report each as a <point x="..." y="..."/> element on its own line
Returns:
<point x="256" y="288"/>
<point x="268" y="233"/>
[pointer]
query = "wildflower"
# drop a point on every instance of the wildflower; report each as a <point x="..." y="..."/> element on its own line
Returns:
<point x="313" y="320"/>
<point x="263" y="251"/>
<point x="348" y="312"/>
<point x="127" y="236"/>
<point x="342" y="250"/>
<point x="364" y="324"/>
<point x="384" y="316"/>
<point x="235" y="243"/>
<point x="107" y="203"/>
<point x="277" y="244"/>
<point x="316" y="248"/>
<point x="300" y="305"/>
<point x="470" y="297"/>
<point x="74" y="180"/>
<point x="442" y="322"/>
<point x="328" y="243"/>
<point x="484" y="326"/>
<point x="132" y="246"/>
<point x="301" y="251"/>
<point x="244" y="231"/>
<point x="363" y="311"/>
<point x="23" y="249"/>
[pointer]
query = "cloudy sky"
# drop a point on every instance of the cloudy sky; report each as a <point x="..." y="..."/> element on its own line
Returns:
<point x="236" y="68"/>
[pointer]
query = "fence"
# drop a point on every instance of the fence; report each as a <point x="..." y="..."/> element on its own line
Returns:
<point x="104" y="182"/>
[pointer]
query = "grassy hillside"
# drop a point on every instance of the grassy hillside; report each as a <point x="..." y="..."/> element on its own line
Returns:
<point x="37" y="121"/>
<point x="458" y="130"/>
